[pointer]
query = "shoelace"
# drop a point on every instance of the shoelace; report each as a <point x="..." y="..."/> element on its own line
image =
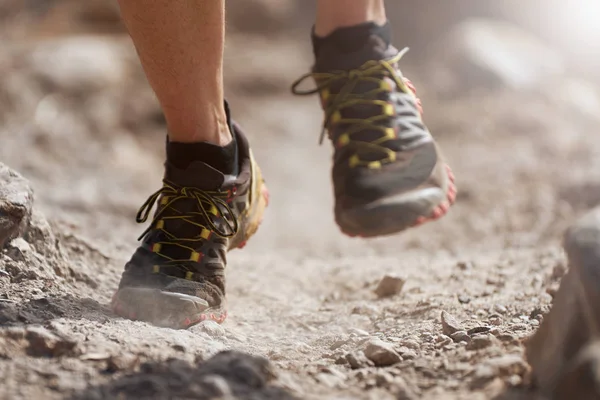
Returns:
<point x="371" y="71"/>
<point x="203" y="198"/>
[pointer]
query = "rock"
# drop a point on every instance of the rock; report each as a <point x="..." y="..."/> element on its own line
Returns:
<point x="461" y="336"/>
<point x="16" y="203"/>
<point x="390" y="285"/>
<point x="492" y="53"/>
<point x="464" y="299"/>
<point x="464" y="265"/>
<point x="500" y="309"/>
<point x="480" y="342"/>
<point x="449" y="324"/>
<point x="358" y="332"/>
<point x="382" y="354"/>
<point x="478" y="330"/>
<point x="572" y="323"/>
<point x="43" y="343"/>
<point x="358" y="360"/>
<point x="212" y="329"/>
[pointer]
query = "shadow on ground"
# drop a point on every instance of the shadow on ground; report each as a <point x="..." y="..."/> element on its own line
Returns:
<point x="39" y="311"/>
<point x="229" y="374"/>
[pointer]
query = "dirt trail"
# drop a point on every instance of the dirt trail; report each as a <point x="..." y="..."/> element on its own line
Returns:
<point x="301" y="295"/>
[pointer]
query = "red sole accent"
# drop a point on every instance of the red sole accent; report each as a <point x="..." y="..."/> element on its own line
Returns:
<point x="443" y="208"/>
<point x="122" y="311"/>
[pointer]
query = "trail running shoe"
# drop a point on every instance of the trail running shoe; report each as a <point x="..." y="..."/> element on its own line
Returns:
<point x="176" y="277"/>
<point x="388" y="173"/>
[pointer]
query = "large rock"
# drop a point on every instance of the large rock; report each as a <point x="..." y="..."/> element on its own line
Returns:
<point x="559" y="346"/>
<point x="491" y="53"/>
<point x="16" y="202"/>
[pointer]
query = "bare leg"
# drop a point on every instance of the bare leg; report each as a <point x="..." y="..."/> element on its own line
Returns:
<point x="180" y="45"/>
<point x="333" y="14"/>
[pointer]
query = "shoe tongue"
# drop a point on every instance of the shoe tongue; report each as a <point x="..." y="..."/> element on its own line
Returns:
<point x="350" y="48"/>
<point x="198" y="175"/>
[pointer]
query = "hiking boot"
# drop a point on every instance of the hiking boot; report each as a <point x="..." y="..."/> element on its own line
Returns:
<point x="176" y="276"/>
<point x="388" y="173"/>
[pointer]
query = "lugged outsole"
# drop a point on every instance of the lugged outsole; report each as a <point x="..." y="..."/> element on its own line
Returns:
<point x="165" y="309"/>
<point x="396" y="215"/>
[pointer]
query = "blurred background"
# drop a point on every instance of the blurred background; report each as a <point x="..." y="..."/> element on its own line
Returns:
<point x="511" y="91"/>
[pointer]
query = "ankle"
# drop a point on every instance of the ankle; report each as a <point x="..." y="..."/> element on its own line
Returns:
<point x="207" y="124"/>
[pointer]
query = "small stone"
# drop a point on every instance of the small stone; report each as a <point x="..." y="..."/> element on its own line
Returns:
<point x="479" y="342"/>
<point x="357" y="359"/>
<point x="463" y="265"/>
<point x="507" y="337"/>
<point x="390" y="285"/>
<point x="499" y="308"/>
<point x="460" y="336"/>
<point x="449" y="324"/>
<point x="534" y="322"/>
<point x="94" y="357"/>
<point x="478" y="330"/>
<point x="382" y="354"/>
<point x="464" y="299"/>
<point x="212" y="329"/>
<point x="358" y="332"/>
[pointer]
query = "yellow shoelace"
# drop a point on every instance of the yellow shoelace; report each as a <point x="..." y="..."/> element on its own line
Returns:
<point x="210" y="205"/>
<point x="371" y="71"/>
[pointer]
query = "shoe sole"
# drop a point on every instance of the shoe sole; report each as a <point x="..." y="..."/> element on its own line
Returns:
<point x="573" y="323"/>
<point x="177" y="310"/>
<point x="164" y="309"/>
<point x="396" y="214"/>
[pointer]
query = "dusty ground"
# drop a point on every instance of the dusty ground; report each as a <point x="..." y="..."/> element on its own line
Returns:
<point x="89" y="137"/>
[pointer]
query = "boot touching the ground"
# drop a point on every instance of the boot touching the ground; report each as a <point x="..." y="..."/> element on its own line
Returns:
<point x="176" y="277"/>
